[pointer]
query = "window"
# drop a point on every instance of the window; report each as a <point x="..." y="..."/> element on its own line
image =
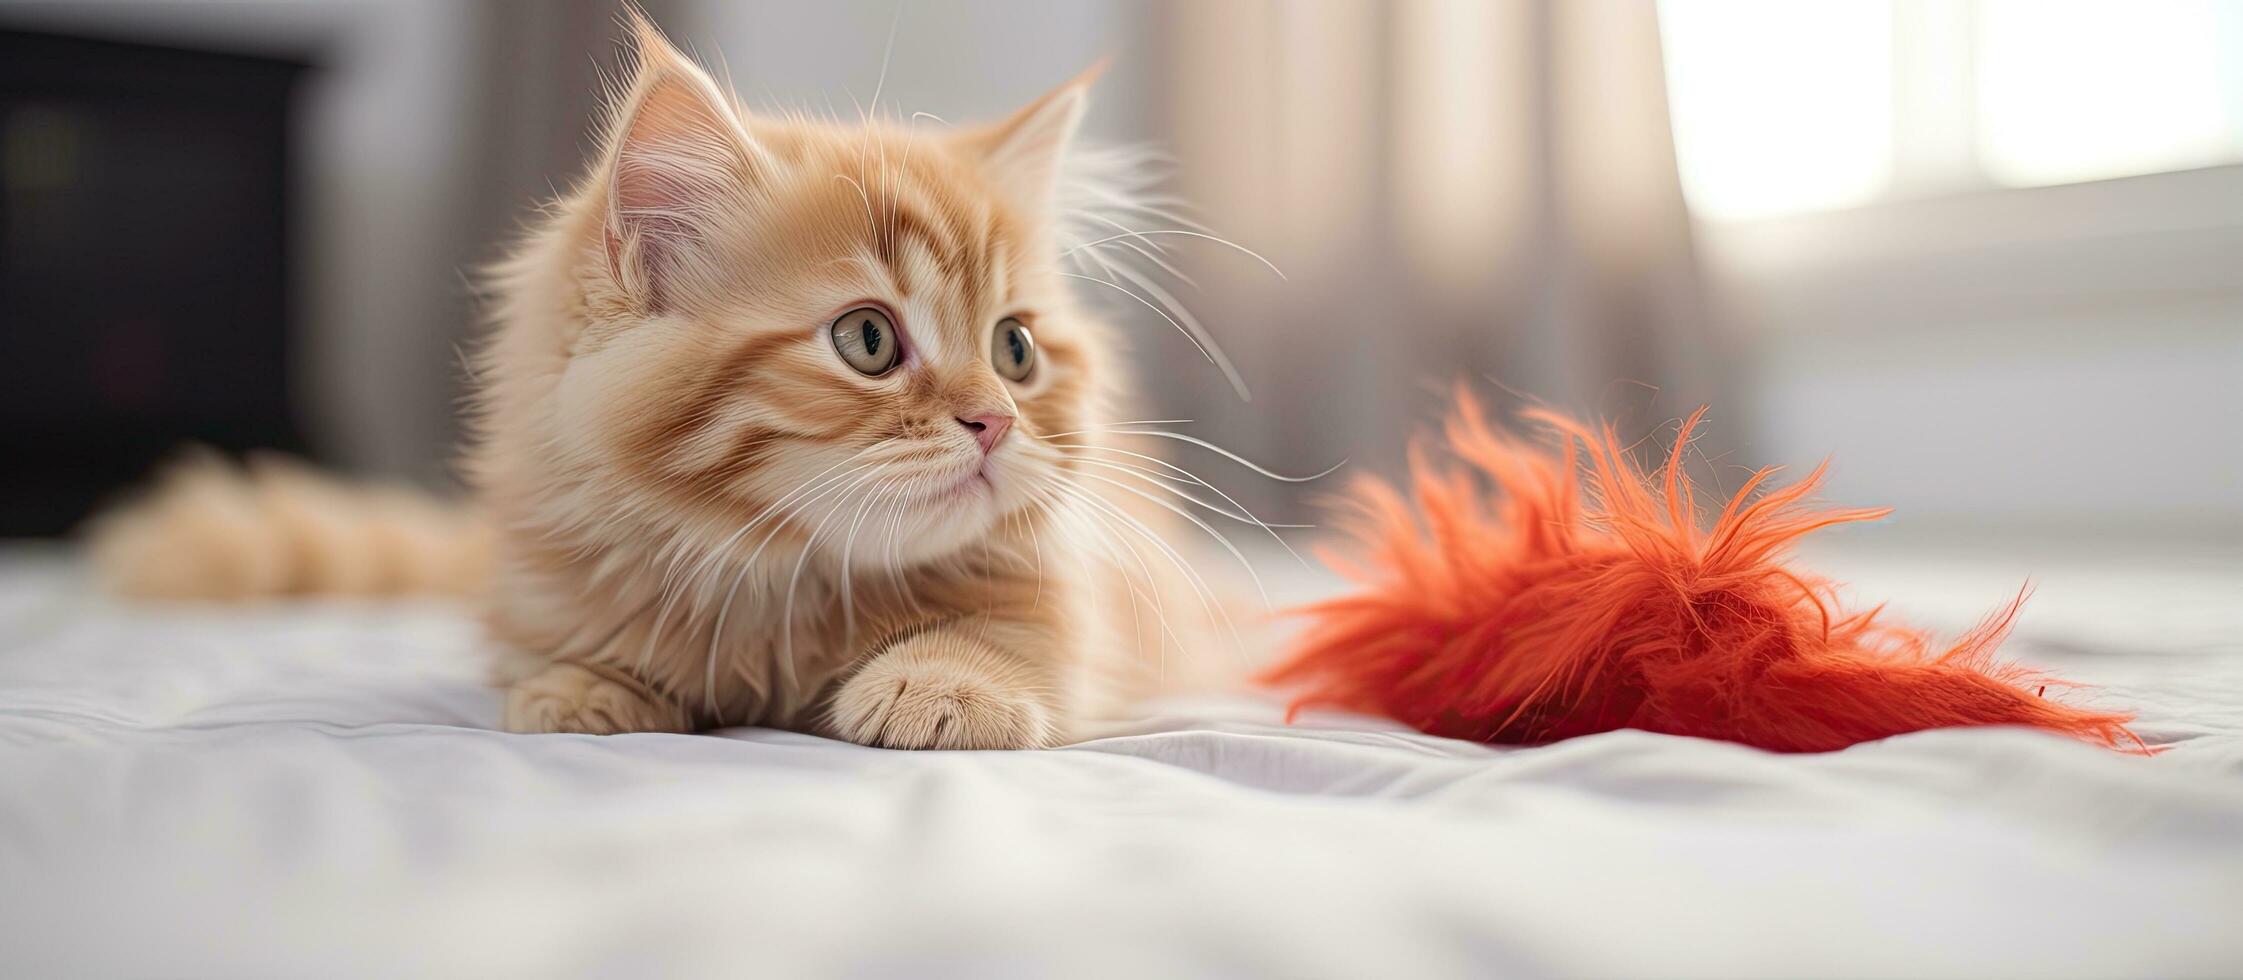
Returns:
<point x="1787" y="107"/>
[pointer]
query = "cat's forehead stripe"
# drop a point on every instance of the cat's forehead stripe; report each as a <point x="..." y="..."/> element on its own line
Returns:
<point x="907" y="225"/>
<point x="943" y="258"/>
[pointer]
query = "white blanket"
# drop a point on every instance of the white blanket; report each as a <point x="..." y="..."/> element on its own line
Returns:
<point x="315" y="790"/>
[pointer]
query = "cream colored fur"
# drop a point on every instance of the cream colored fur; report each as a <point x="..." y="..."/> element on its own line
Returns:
<point x="209" y="529"/>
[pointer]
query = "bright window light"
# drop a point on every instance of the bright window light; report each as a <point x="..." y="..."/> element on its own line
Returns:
<point x="1784" y="106"/>
<point x="1779" y="105"/>
<point x="2072" y="90"/>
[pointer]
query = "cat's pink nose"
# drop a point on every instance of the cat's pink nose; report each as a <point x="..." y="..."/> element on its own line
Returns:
<point x="987" y="428"/>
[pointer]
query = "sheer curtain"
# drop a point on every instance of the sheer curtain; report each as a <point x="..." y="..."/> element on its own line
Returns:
<point x="1478" y="190"/>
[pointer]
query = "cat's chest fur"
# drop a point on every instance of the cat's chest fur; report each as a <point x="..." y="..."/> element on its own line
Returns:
<point x="739" y="641"/>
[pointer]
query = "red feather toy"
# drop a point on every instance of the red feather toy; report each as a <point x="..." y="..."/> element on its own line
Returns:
<point x="1582" y="595"/>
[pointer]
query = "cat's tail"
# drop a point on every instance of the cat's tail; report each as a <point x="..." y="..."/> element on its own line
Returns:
<point x="208" y="528"/>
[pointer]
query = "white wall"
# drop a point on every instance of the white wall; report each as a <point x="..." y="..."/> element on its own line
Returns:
<point x="2131" y="424"/>
<point x="2057" y="362"/>
<point x="963" y="60"/>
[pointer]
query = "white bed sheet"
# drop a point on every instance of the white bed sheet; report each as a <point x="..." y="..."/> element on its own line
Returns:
<point x="314" y="790"/>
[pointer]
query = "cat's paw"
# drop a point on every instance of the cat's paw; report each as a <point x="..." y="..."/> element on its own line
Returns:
<point x="569" y="698"/>
<point x="937" y="691"/>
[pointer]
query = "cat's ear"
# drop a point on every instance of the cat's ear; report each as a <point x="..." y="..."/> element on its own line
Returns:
<point x="1023" y="154"/>
<point x="677" y="158"/>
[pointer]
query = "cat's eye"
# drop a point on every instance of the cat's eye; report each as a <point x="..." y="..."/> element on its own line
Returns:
<point x="867" y="340"/>
<point x="1012" y="349"/>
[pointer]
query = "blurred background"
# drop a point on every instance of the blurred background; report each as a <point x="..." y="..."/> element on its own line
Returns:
<point x="1988" y="254"/>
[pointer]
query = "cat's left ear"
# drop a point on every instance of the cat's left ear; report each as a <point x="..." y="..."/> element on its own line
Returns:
<point x="1023" y="154"/>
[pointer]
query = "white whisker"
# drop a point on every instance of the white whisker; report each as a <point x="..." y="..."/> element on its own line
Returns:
<point x="1151" y="595"/>
<point x="1169" y="484"/>
<point x="1196" y="478"/>
<point x="1219" y="537"/>
<point x="724" y="610"/>
<point x="1191" y="575"/>
<point x="1190" y="322"/>
<point x="789" y="679"/>
<point x="1233" y="457"/>
<point x="1217" y="239"/>
<point x="715" y="555"/>
<point x="871" y="225"/>
<point x="1222" y="363"/>
<point x="1111" y="425"/>
<point x="1153" y="255"/>
<point x="848" y="575"/>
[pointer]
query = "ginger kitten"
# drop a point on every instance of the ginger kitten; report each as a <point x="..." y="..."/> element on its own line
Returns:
<point x="782" y="422"/>
<point x="762" y="429"/>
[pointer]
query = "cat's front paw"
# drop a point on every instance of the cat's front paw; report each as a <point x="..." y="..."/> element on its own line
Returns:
<point x="569" y="698"/>
<point x="937" y="691"/>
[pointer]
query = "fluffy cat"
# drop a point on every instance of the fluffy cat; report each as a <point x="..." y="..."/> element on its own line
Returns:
<point x="782" y="422"/>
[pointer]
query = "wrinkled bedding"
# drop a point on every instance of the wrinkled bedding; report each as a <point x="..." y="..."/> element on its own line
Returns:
<point x="315" y="789"/>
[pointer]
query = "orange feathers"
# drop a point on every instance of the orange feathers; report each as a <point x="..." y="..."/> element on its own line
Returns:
<point x="1582" y="595"/>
